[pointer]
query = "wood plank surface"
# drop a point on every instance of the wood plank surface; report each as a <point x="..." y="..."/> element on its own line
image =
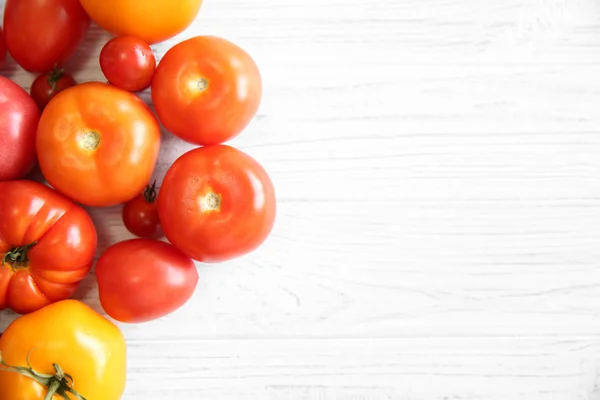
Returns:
<point x="437" y="168"/>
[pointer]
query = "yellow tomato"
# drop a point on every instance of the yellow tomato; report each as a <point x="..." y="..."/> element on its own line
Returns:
<point x="150" y="20"/>
<point x="68" y="347"/>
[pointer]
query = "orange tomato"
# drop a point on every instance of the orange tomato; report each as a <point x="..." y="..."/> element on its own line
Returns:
<point x="152" y="21"/>
<point x="70" y="348"/>
<point x="206" y="90"/>
<point x="97" y="144"/>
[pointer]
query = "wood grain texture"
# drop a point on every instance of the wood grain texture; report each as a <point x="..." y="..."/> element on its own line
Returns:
<point x="438" y="178"/>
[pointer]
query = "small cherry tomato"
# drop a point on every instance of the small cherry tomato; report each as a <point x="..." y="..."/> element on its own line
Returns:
<point x="47" y="85"/>
<point x="128" y="63"/>
<point x="140" y="214"/>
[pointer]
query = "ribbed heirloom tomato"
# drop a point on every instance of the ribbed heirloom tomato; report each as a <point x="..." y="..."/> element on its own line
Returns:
<point x="150" y="20"/>
<point x="206" y="90"/>
<point x="47" y="246"/>
<point x="216" y="203"/>
<point x="97" y="144"/>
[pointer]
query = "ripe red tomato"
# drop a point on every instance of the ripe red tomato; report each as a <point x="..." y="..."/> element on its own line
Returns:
<point x="2" y="49"/>
<point x="97" y="144"/>
<point x="48" y="85"/>
<point x="42" y="35"/>
<point x="143" y="279"/>
<point x="47" y="246"/>
<point x="19" y="117"/>
<point x="140" y="214"/>
<point x="206" y="90"/>
<point x="128" y="63"/>
<point x="216" y="203"/>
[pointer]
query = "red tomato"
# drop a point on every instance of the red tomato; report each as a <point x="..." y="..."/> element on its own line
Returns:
<point x="19" y="117"/>
<point x="128" y="63"/>
<point x="216" y="203"/>
<point x="97" y="144"/>
<point x="140" y="214"/>
<point x="2" y="49"/>
<point x="47" y="245"/>
<point x="42" y="35"/>
<point x="143" y="279"/>
<point x="206" y="90"/>
<point x="48" y="85"/>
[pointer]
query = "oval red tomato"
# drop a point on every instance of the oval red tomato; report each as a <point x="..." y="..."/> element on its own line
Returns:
<point x="143" y="279"/>
<point x="97" y="144"/>
<point x="47" y="244"/>
<point x="128" y="63"/>
<point x="206" y="90"/>
<point x="216" y="203"/>
<point x="48" y="85"/>
<point x="19" y="117"/>
<point x="140" y="214"/>
<point x="42" y="35"/>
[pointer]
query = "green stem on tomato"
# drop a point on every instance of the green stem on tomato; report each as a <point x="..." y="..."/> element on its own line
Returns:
<point x="54" y="77"/>
<point x="17" y="255"/>
<point x="150" y="193"/>
<point x="60" y="383"/>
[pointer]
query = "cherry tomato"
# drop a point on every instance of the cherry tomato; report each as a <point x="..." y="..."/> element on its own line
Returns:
<point x="97" y="144"/>
<point x="128" y="63"/>
<point x="47" y="85"/>
<point x="216" y="203"/>
<point x="206" y="90"/>
<point x="140" y="214"/>
<point x="19" y="116"/>
<point x="152" y="21"/>
<point x="42" y="35"/>
<point x="143" y="279"/>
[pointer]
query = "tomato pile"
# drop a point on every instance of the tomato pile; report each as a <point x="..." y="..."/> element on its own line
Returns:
<point x="96" y="145"/>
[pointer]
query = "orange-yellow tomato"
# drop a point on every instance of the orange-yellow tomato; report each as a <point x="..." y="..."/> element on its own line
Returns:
<point x="68" y="337"/>
<point x="97" y="144"/>
<point x="150" y="20"/>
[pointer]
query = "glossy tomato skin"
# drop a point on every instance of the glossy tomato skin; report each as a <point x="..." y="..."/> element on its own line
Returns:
<point x="41" y="35"/>
<point x="19" y="117"/>
<point x="152" y="21"/>
<point x="140" y="214"/>
<point x="62" y="240"/>
<point x="128" y="63"/>
<point x="97" y="144"/>
<point x="143" y="279"/>
<point x="2" y="48"/>
<point x="206" y="90"/>
<point x="82" y="342"/>
<point x="48" y="85"/>
<point x="216" y="203"/>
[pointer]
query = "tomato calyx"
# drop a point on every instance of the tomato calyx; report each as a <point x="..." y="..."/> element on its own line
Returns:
<point x="211" y="202"/>
<point x="90" y="140"/>
<point x="60" y="383"/>
<point x="150" y="193"/>
<point x="17" y="256"/>
<point x="54" y="77"/>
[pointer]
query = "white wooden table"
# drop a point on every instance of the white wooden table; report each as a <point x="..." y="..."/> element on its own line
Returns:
<point x="437" y="166"/>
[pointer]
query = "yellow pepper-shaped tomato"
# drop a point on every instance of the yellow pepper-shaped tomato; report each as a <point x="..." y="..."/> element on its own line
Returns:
<point x="65" y="350"/>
